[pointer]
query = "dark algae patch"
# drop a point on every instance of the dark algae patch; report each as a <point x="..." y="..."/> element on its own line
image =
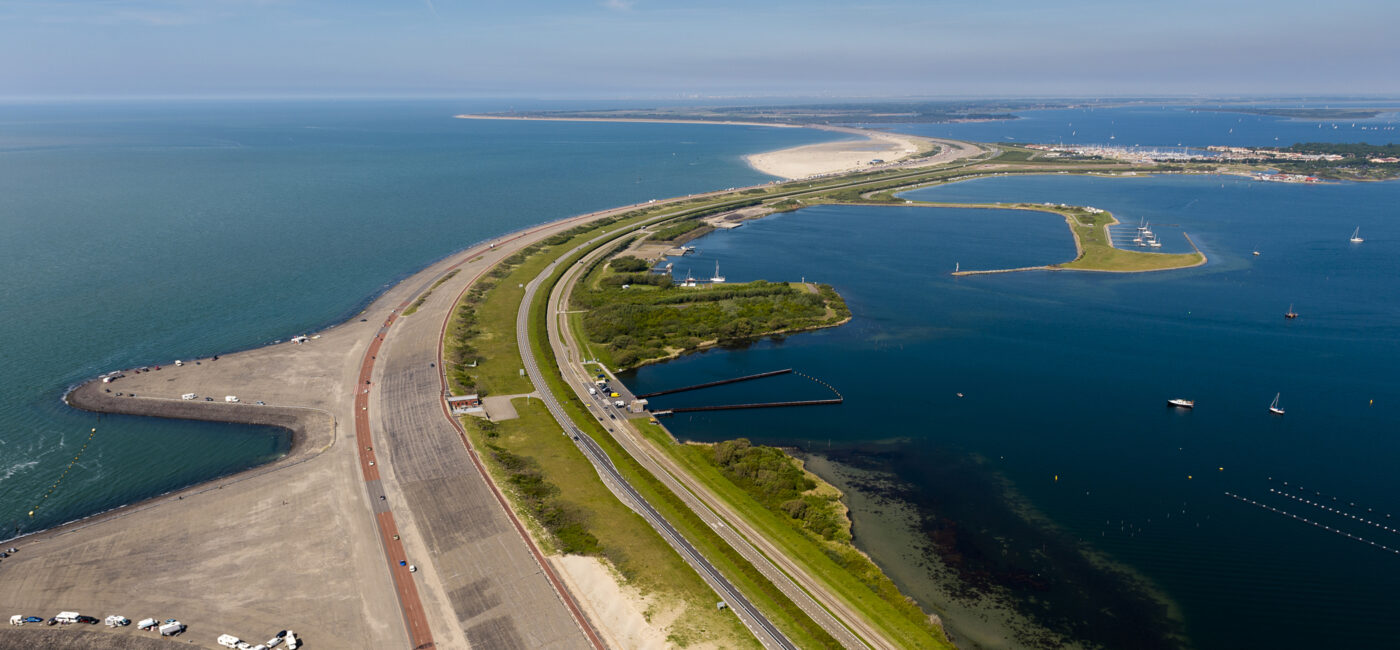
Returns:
<point x="999" y="549"/>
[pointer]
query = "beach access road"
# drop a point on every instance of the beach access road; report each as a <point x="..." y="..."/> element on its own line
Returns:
<point x="832" y="613"/>
<point x="762" y="628"/>
<point x="306" y="542"/>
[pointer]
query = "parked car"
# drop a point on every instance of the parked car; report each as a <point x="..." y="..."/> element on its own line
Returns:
<point x="33" y="619"/>
<point x="90" y="620"/>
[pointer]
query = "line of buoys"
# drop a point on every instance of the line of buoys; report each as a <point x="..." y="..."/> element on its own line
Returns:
<point x="829" y="386"/>
<point x="1321" y="525"/>
<point x="64" y="475"/>
<point x="1339" y="513"/>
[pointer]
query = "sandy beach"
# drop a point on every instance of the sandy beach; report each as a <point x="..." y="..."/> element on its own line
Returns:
<point x="842" y="156"/>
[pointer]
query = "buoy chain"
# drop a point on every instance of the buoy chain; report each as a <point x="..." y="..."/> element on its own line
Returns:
<point x="1318" y="524"/>
<point x="64" y="475"/>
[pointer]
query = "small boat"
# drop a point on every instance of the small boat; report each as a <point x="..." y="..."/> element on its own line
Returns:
<point x="1356" y="236"/>
<point x="1290" y="313"/>
<point x="1155" y="244"/>
<point x="1273" y="408"/>
<point x="1182" y="403"/>
<point x="717" y="278"/>
<point x="1256" y="253"/>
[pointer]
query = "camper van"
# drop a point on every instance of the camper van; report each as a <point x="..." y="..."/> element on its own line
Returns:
<point x="172" y="628"/>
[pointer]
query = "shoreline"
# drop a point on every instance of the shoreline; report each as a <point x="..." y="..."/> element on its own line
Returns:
<point x="640" y="120"/>
<point x="297" y="423"/>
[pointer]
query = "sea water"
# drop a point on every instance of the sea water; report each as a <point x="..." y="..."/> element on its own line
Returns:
<point x="1060" y="473"/>
<point x="1169" y="126"/>
<point x="137" y="233"/>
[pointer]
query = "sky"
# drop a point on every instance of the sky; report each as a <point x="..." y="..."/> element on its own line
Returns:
<point x="714" y="48"/>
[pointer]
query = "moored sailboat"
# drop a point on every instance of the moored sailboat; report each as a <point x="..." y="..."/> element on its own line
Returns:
<point x="1356" y="236"/>
<point x="1273" y="408"/>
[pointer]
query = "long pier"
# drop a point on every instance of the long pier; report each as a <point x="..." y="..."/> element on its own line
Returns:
<point x="760" y="405"/>
<point x="721" y="382"/>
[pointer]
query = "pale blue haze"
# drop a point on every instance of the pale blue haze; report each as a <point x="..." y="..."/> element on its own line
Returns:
<point x="650" y="48"/>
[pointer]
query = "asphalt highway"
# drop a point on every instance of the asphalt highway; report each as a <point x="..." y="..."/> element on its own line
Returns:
<point x="767" y="633"/>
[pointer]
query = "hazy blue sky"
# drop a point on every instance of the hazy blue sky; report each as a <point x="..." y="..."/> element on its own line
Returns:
<point x="631" y="48"/>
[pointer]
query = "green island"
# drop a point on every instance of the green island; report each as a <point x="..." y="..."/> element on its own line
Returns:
<point x="1303" y="113"/>
<point x="633" y="316"/>
<point x="569" y="510"/>
<point x="813" y="114"/>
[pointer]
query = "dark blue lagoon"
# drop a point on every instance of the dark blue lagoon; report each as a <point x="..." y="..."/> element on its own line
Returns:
<point x="1061" y="481"/>
<point x="137" y="233"/>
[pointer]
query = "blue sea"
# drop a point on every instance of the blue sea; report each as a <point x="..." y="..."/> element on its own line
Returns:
<point x="142" y="232"/>
<point x="136" y="233"/>
<point x="1061" y="455"/>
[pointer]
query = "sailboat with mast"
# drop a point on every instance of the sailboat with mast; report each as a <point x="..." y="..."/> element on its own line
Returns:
<point x="717" y="278"/>
<point x="1273" y="408"/>
<point x="1356" y="236"/>
<point x="1290" y="313"/>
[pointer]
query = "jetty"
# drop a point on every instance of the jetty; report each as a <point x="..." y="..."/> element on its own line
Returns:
<point x="708" y="384"/>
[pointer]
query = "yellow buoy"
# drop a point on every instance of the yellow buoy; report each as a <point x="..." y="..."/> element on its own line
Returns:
<point x="1188" y="477"/>
<point x="1057" y="477"/>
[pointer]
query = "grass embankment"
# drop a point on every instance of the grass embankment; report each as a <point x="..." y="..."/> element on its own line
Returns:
<point x="424" y="298"/>
<point x="785" y="614"/>
<point x="567" y="506"/>
<point x="804" y="517"/>
<point x="1096" y="251"/>
<point x="655" y="319"/>
<point x="555" y="489"/>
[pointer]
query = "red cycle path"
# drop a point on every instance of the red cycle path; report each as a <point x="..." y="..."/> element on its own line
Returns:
<point x="415" y="619"/>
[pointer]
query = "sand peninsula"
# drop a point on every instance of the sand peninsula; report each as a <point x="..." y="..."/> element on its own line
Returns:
<point x="351" y="498"/>
<point x="868" y="149"/>
<point x="315" y="540"/>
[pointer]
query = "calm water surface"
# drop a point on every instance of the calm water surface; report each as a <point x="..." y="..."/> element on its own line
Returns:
<point x="140" y="233"/>
<point x="1065" y="377"/>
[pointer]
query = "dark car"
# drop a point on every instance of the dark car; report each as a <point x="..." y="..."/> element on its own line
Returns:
<point x="87" y="619"/>
<point x="53" y="621"/>
<point x="208" y="399"/>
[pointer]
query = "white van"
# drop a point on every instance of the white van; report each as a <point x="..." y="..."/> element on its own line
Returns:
<point x="228" y="640"/>
<point x="230" y="398"/>
<point x="17" y="619"/>
<point x="171" y="629"/>
<point x="117" y="620"/>
<point x="67" y="617"/>
<point x="147" y="624"/>
<point x="188" y="396"/>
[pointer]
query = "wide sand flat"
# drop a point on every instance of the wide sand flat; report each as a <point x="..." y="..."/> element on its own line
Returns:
<point x="835" y="157"/>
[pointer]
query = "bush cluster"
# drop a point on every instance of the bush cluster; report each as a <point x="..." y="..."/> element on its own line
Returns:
<point x="565" y="521"/>
<point x="774" y="479"/>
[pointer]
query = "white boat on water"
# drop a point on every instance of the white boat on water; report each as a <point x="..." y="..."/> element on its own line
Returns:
<point x="1147" y="230"/>
<point x="1182" y="403"/>
<point x="717" y="278"/>
<point x="1356" y="236"/>
<point x="1155" y="244"/>
<point x="1273" y="408"/>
